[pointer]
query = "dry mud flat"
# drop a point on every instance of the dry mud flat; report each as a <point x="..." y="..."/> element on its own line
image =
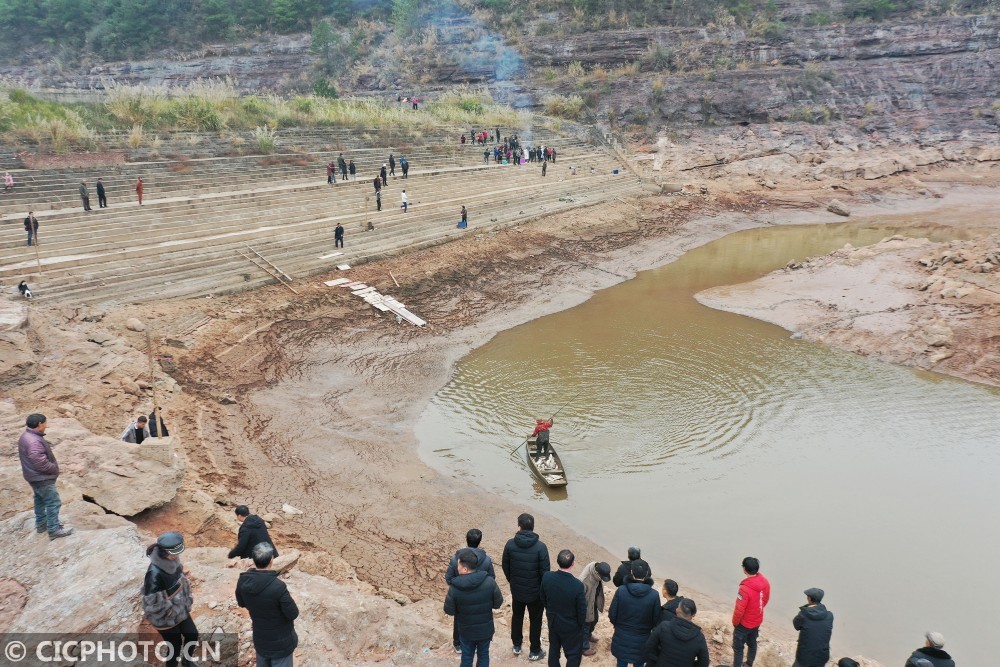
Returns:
<point x="934" y="306"/>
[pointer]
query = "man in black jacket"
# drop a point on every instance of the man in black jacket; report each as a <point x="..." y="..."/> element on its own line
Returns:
<point x="102" y="196"/>
<point x="525" y="560"/>
<point x="565" y="603"/>
<point x="623" y="574"/>
<point x="815" y="625"/>
<point x="932" y="651"/>
<point x="679" y="643"/>
<point x="485" y="564"/>
<point x="472" y="596"/>
<point x="272" y="610"/>
<point x="253" y="531"/>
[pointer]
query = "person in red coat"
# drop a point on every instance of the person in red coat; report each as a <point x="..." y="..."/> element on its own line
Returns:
<point x="541" y="435"/>
<point x="138" y="189"/>
<point x="754" y="593"/>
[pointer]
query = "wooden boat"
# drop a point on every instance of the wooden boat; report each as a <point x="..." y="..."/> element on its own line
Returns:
<point x="548" y="470"/>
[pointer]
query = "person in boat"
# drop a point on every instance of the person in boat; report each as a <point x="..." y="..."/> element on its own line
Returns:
<point x="541" y="435"/>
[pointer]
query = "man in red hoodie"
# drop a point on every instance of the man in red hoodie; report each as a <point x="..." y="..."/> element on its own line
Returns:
<point x="541" y="435"/>
<point x="748" y="616"/>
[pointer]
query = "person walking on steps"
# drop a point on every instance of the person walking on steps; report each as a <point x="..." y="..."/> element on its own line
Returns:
<point x="593" y="578"/>
<point x="331" y="170"/>
<point x="338" y="236"/>
<point x="85" y="195"/>
<point x="405" y="205"/>
<point x="271" y="607"/>
<point x="377" y="184"/>
<point x="167" y="598"/>
<point x="525" y="560"/>
<point x="41" y="470"/>
<point x="343" y="166"/>
<point x="404" y="164"/>
<point x="485" y="564"/>
<point x="378" y="200"/>
<point x="678" y="643"/>
<point x="748" y="615"/>
<point x="541" y="436"/>
<point x="353" y="169"/>
<point x="31" y="226"/>
<point x="138" y="190"/>
<point x="8" y="182"/>
<point x="102" y="196"/>
<point x="392" y="165"/>
<point x="815" y="625"/>
<point x="472" y="596"/>
<point x="635" y="611"/>
<point x="625" y="569"/>
<point x="565" y="602"/>
<point x="384" y="176"/>
<point x="464" y="222"/>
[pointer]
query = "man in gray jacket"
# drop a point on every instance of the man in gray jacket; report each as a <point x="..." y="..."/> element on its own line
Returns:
<point x="40" y="470"/>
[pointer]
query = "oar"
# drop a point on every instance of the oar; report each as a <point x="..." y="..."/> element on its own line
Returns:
<point x="550" y="419"/>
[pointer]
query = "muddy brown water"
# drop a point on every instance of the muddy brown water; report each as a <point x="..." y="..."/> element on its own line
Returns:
<point x="704" y="436"/>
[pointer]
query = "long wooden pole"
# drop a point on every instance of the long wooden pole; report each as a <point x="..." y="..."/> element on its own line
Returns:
<point x="152" y="384"/>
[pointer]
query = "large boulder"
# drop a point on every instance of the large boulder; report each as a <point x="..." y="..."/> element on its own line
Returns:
<point x="108" y="472"/>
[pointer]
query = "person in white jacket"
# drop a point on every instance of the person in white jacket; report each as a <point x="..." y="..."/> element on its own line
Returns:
<point x="136" y="431"/>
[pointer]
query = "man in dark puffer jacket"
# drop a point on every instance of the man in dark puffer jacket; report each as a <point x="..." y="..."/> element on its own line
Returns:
<point x="253" y="531"/>
<point x="635" y="611"/>
<point x="525" y="560"/>
<point x="815" y="625"/>
<point x="679" y="643"/>
<point x="272" y="610"/>
<point x="472" y="597"/>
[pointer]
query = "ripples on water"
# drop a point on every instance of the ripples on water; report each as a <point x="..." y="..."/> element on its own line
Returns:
<point x="829" y="466"/>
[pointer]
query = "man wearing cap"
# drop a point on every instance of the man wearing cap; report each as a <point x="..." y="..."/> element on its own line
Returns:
<point x="594" y="576"/>
<point x="625" y="569"/>
<point x="815" y="625"/>
<point x="748" y="614"/>
<point x="565" y="602"/>
<point x="932" y="651"/>
<point x="272" y="610"/>
<point x="167" y="598"/>
<point x="635" y="611"/>
<point x="40" y="470"/>
<point x="679" y="643"/>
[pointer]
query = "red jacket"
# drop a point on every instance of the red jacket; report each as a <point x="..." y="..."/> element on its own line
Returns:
<point x="544" y="426"/>
<point x="754" y="593"/>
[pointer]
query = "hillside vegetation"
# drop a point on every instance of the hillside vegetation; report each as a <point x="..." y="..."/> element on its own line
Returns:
<point x="133" y="28"/>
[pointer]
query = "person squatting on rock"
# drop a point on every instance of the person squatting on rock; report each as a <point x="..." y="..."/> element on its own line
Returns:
<point x="565" y="602"/>
<point x="253" y="531"/>
<point x="31" y="226"/>
<point x="525" y="559"/>
<point x="41" y="470"/>
<point x="748" y="614"/>
<point x="593" y="577"/>
<point x="136" y="432"/>
<point x="167" y="598"/>
<point x="485" y="564"/>
<point x="625" y="569"/>
<point x="472" y="596"/>
<point x="932" y="652"/>
<point x="635" y="611"/>
<point x="678" y="642"/>
<point x="815" y="625"/>
<point x="272" y="609"/>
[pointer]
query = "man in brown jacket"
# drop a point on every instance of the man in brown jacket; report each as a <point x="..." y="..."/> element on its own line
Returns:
<point x="593" y="578"/>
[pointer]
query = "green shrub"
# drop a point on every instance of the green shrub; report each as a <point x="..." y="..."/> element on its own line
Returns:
<point x="323" y="88"/>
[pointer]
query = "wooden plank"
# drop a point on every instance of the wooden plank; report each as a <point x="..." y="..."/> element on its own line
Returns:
<point x="338" y="281"/>
<point x="354" y="285"/>
<point x="381" y="307"/>
<point x="363" y="292"/>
